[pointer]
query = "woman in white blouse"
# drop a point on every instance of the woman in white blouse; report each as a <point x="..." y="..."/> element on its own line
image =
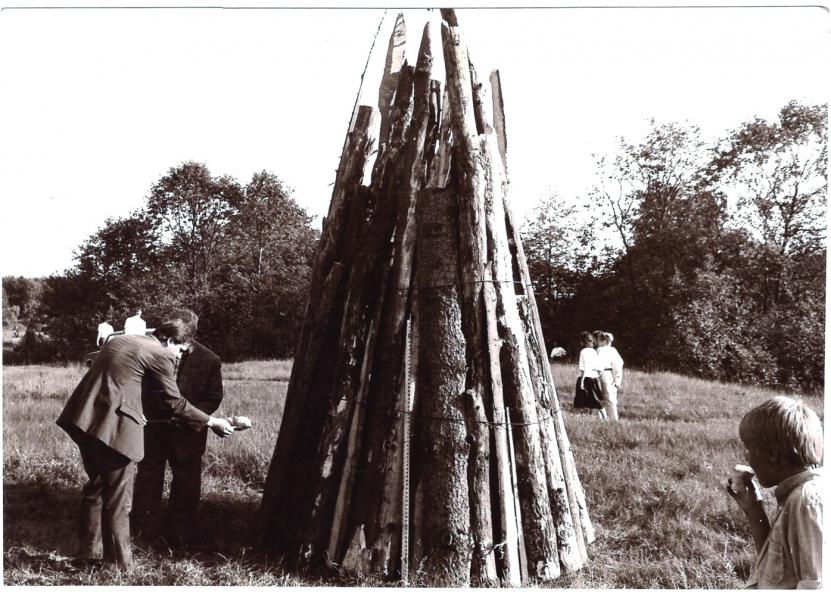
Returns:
<point x="587" y="393"/>
<point x="611" y="371"/>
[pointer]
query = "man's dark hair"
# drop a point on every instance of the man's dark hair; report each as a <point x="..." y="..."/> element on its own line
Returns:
<point x="187" y="316"/>
<point x="174" y="329"/>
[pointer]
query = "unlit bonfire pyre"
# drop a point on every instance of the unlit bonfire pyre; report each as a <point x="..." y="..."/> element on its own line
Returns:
<point x="422" y="435"/>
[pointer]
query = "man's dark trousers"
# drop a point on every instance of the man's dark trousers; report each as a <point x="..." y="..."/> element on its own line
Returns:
<point x="199" y="378"/>
<point x="106" y="501"/>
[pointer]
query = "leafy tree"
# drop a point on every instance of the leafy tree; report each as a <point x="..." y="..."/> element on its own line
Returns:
<point x="119" y="263"/>
<point x="271" y="246"/>
<point x="713" y="260"/>
<point x="192" y="210"/>
<point x="558" y="238"/>
<point x="778" y="171"/>
<point x="23" y="295"/>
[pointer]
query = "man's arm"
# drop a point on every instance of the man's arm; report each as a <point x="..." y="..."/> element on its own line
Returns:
<point x="162" y="370"/>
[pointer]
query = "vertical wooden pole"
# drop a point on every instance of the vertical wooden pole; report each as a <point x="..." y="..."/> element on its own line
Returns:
<point x="442" y="369"/>
<point x="506" y="500"/>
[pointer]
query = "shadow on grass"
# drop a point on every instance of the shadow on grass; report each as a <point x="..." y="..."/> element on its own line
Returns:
<point x="39" y="536"/>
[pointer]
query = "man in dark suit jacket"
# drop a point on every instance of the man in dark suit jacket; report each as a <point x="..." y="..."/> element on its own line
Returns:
<point x="105" y="418"/>
<point x="199" y="377"/>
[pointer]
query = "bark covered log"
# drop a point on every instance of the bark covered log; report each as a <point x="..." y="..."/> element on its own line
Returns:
<point x="362" y="298"/>
<point x="284" y="498"/>
<point x="508" y="528"/>
<point x="537" y="522"/>
<point x="441" y="376"/>
<point x="571" y="558"/>
<point x="581" y="522"/>
<point x="378" y="509"/>
<point x="469" y="182"/>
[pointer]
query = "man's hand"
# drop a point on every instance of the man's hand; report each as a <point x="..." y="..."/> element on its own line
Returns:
<point x="220" y="426"/>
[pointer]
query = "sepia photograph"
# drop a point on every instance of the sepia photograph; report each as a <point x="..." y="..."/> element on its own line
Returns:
<point x="379" y="296"/>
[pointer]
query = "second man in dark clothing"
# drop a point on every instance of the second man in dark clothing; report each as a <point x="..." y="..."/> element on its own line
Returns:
<point x="199" y="378"/>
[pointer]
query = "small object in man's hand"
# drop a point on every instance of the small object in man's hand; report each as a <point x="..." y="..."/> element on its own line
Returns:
<point x="738" y="481"/>
<point x="240" y="422"/>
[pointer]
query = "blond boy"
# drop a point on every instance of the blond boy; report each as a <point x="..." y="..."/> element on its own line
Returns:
<point x="783" y="445"/>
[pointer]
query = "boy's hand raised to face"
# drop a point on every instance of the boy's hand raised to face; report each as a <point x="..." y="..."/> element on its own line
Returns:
<point x="743" y="488"/>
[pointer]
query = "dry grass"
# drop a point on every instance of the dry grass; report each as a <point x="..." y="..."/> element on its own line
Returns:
<point x="653" y="483"/>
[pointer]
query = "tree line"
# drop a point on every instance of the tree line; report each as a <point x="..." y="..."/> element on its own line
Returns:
<point x="240" y="256"/>
<point x="702" y="258"/>
<point x="708" y="259"/>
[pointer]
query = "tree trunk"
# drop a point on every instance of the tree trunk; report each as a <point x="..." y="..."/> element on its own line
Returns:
<point x="441" y="377"/>
<point x="472" y="257"/>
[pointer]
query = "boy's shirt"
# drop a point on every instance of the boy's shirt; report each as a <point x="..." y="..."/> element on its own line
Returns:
<point x="791" y="556"/>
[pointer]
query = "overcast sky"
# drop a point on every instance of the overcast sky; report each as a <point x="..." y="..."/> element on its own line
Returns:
<point x="96" y="104"/>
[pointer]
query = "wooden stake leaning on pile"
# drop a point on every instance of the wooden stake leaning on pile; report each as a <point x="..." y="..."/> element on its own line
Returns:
<point x="429" y="239"/>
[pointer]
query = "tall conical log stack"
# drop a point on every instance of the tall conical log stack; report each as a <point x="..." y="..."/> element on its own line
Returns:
<point x="421" y="318"/>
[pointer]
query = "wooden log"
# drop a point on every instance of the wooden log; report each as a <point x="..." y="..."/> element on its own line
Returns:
<point x="367" y="273"/>
<point x="377" y="509"/>
<point x="483" y="566"/>
<point x="431" y="141"/>
<point x="523" y="556"/>
<point x="439" y="171"/>
<point x="498" y="111"/>
<point x="571" y="558"/>
<point x="506" y="504"/>
<point x="277" y="517"/>
<point x="537" y="521"/>
<point x="576" y="496"/>
<point x="577" y="501"/>
<point x="344" y="496"/>
<point x="470" y="177"/>
<point x="389" y="78"/>
<point x="441" y="377"/>
<point x="536" y="514"/>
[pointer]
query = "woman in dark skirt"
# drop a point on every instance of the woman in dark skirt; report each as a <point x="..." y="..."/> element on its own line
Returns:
<point x="587" y="391"/>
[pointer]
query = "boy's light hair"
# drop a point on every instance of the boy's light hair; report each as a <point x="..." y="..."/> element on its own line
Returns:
<point x="784" y="424"/>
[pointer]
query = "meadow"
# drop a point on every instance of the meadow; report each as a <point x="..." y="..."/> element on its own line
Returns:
<point x="654" y="485"/>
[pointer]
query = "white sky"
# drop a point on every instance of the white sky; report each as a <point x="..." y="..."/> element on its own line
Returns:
<point x="96" y="104"/>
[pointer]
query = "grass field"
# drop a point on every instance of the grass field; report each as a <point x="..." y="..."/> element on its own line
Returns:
<point x="654" y="485"/>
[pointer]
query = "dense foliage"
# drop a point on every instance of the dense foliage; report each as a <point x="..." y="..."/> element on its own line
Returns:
<point x="238" y="256"/>
<point x="708" y="260"/>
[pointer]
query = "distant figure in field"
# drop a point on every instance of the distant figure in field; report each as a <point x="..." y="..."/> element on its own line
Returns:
<point x="104" y="331"/>
<point x="167" y="441"/>
<point x="783" y="445"/>
<point x="611" y="372"/>
<point x="135" y="325"/>
<point x="105" y="418"/>
<point x="587" y="393"/>
<point x="557" y="352"/>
